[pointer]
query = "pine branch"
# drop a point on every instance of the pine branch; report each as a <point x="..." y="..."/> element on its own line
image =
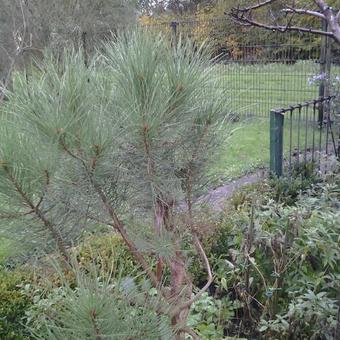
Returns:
<point x="197" y="242"/>
<point x="197" y="296"/>
<point x="98" y="220"/>
<point x="117" y="224"/>
<point x="17" y="215"/>
<point x="98" y="335"/>
<point x="121" y="229"/>
<point x="47" y="175"/>
<point x="39" y="214"/>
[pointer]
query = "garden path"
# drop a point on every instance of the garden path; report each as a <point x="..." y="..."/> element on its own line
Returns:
<point x="217" y="196"/>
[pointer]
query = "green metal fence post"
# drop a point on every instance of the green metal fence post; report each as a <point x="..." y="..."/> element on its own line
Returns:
<point x="276" y="142"/>
<point x="173" y="25"/>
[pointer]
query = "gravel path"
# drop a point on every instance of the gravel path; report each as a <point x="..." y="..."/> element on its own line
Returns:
<point x="216" y="197"/>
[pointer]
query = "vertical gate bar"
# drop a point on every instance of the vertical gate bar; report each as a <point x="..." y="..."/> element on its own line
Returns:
<point x="332" y="136"/>
<point x="327" y="125"/>
<point x="306" y="132"/>
<point x="276" y="142"/>
<point x="320" y="137"/>
<point x="328" y="122"/>
<point x="290" y="140"/>
<point x="313" y="126"/>
<point x="299" y="130"/>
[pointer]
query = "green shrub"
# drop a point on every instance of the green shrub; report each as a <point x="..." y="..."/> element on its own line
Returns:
<point x="209" y="317"/>
<point x="102" y="258"/>
<point x="280" y="261"/>
<point x="310" y="316"/>
<point x="107" y="252"/>
<point x="288" y="189"/>
<point x="13" y="305"/>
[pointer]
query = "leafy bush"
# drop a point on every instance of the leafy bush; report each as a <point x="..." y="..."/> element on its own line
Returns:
<point x="24" y="300"/>
<point x="106" y="252"/>
<point x="13" y="304"/>
<point x="209" y="317"/>
<point x="281" y="262"/>
<point x="310" y="316"/>
<point x="98" y="261"/>
<point x="288" y="189"/>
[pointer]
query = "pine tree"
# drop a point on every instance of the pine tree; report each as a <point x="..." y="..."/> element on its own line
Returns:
<point x="126" y="143"/>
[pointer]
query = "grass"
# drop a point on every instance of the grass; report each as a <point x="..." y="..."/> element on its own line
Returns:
<point x="253" y="90"/>
<point x="258" y="88"/>
<point x="248" y="146"/>
<point x="246" y="149"/>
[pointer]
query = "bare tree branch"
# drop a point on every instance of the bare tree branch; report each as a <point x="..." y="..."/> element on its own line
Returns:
<point x="259" y="5"/>
<point x="250" y="22"/>
<point x="303" y="11"/>
<point x="245" y="16"/>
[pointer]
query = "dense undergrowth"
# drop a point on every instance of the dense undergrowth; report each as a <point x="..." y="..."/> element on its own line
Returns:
<point x="275" y="257"/>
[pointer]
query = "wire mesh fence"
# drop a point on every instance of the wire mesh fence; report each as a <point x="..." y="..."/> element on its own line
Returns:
<point x="261" y="69"/>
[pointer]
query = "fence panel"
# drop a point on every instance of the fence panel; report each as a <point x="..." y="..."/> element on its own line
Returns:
<point x="302" y="141"/>
<point x="261" y="69"/>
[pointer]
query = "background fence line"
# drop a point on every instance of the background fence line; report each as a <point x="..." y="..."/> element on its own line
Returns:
<point x="266" y="69"/>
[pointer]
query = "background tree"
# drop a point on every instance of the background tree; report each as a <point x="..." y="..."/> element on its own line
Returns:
<point x="207" y="22"/>
<point x="29" y="26"/>
<point x="203" y="23"/>
<point x="174" y="7"/>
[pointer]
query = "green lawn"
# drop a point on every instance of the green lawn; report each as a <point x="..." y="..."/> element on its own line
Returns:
<point x="258" y="88"/>
<point x="253" y="90"/>
<point x="247" y="148"/>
